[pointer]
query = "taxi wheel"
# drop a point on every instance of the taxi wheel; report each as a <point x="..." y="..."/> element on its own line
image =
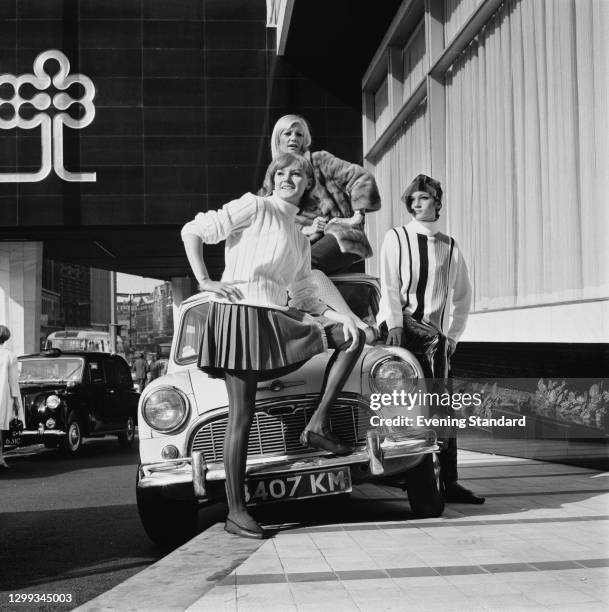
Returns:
<point x="168" y="522"/>
<point x="127" y="436"/>
<point x="71" y="443"/>
<point x="423" y="486"/>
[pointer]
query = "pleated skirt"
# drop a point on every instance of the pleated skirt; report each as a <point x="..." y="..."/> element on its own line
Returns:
<point x="240" y="337"/>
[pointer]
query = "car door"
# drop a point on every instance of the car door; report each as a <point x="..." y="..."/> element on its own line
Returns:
<point x="96" y="395"/>
<point x="112" y="394"/>
<point x="126" y="397"/>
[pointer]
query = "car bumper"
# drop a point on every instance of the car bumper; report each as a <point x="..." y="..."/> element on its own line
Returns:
<point x="41" y="434"/>
<point x="377" y="458"/>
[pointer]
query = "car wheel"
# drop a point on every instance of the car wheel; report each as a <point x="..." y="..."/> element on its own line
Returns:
<point x="71" y="443"/>
<point x="423" y="486"/>
<point x="127" y="436"/>
<point x="168" y="522"/>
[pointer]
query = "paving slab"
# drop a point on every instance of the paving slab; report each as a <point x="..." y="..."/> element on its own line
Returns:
<point x="541" y="542"/>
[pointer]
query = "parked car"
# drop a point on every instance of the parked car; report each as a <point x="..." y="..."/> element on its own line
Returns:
<point x="71" y="395"/>
<point x="183" y="417"/>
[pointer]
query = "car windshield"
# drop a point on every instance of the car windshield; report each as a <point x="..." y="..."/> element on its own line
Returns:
<point x="361" y="296"/>
<point x="59" y="369"/>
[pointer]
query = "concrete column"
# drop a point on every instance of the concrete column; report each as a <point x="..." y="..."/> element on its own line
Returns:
<point x="20" y="294"/>
<point x="181" y="288"/>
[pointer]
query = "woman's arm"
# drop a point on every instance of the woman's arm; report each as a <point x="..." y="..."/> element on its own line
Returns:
<point x="212" y="227"/>
<point x="356" y="219"/>
<point x="461" y="299"/>
<point x="194" y="253"/>
<point x="349" y="327"/>
<point x="343" y="177"/>
<point x="391" y="304"/>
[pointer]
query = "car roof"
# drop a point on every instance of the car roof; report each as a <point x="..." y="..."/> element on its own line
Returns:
<point x="349" y="276"/>
<point x="54" y="353"/>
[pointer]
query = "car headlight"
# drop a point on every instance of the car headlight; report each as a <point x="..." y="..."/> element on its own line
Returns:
<point x="53" y="402"/>
<point x="392" y="373"/>
<point x="165" y="409"/>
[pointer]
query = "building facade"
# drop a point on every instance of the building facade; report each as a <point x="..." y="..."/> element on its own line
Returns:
<point x="182" y="97"/>
<point x="505" y="102"/>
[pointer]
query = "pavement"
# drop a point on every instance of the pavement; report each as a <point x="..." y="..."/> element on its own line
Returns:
<point x="540" y="542"/>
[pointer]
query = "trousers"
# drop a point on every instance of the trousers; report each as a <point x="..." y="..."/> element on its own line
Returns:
<point x="327" y="256"/>
<point x="431" y="349"/>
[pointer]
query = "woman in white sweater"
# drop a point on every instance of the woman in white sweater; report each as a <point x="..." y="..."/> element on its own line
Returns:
<point x="258" y="321"/>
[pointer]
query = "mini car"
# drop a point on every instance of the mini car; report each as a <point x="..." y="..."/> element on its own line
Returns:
<point x="69" y="396"/>
<point x="183" y="416"/>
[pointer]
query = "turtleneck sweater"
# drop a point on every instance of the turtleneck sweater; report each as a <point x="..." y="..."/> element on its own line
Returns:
<point x="422" y="273"/>
<point x="266" y="255"/>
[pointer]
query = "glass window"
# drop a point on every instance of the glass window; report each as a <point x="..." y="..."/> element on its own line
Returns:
<point x="191" y="332"/>
<point x="362" y="298"/>
<point x="123" y="372"/>
<point x="381" y="108"/>
<point x="96" y="374"/>
<point x="62" y="369"/>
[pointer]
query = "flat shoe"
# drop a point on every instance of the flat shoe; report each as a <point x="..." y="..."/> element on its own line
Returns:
<point x="329" y="442"/>
<point x="458" y="494"/>
<point x="244" y="532"/>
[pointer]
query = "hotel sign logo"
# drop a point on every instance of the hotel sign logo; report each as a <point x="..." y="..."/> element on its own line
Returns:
<point x="51" y="128"/>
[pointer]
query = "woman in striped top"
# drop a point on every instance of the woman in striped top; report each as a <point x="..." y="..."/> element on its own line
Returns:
<point x="422" y="273"/>
<point x="258" y="323"/>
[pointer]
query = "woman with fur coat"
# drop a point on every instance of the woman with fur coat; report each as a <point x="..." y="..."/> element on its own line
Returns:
<point x="333" y="218"/>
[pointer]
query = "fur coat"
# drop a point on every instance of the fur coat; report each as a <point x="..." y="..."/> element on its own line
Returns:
<point x="341" y="189"/>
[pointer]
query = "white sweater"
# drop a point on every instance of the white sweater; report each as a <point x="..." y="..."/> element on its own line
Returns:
<point x="420" y="269"/>
<point x="266" y="255"/>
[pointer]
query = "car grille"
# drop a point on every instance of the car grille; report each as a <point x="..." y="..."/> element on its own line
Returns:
<point x="277" y="426"/>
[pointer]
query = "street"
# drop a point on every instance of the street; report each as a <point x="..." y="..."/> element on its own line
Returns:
<point x="70" y="526"/>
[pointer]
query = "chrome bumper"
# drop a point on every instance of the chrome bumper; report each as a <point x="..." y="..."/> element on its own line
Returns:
<point x="42" y="433"/>
<point x="376" y="454"/>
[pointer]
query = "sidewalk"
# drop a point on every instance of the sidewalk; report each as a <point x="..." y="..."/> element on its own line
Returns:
<point x="540" y="542"/>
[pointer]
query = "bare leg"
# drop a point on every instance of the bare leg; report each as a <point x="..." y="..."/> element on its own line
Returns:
<point x="339" y="367"/>
<point x="241" y="387"/>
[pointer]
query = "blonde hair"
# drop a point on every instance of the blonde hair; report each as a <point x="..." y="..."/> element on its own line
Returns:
<point x="283" y="160"/>
<point x="284" y="123"/>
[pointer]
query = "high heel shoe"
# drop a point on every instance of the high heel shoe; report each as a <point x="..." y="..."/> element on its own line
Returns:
<point x="236" y="529"/>
<point x="328" y="442"/>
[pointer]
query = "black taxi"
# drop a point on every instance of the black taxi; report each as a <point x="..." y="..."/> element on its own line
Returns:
<point x="69" y="396"/>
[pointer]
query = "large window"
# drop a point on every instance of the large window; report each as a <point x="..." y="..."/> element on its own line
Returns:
<point x="527" y="153"/>
<point x="506" y="103"/>
<point x="405" y="156"/>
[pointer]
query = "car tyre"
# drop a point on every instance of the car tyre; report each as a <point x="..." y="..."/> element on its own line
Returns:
<point x="168" y="522"/>
<point x="423" y="487"/>
<point x="127" y="436"/>
<point x="71" y="443"/>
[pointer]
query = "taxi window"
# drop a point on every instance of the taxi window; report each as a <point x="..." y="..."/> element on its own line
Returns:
<point x="191" y="332"/>
<point x="110" y="371"/>
<point x="96" y="374"/>
<point x="123" y="372"/>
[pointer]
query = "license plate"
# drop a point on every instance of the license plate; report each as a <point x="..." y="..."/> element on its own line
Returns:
<point x="261" y="490"/>
<point x="14" y="440"/>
